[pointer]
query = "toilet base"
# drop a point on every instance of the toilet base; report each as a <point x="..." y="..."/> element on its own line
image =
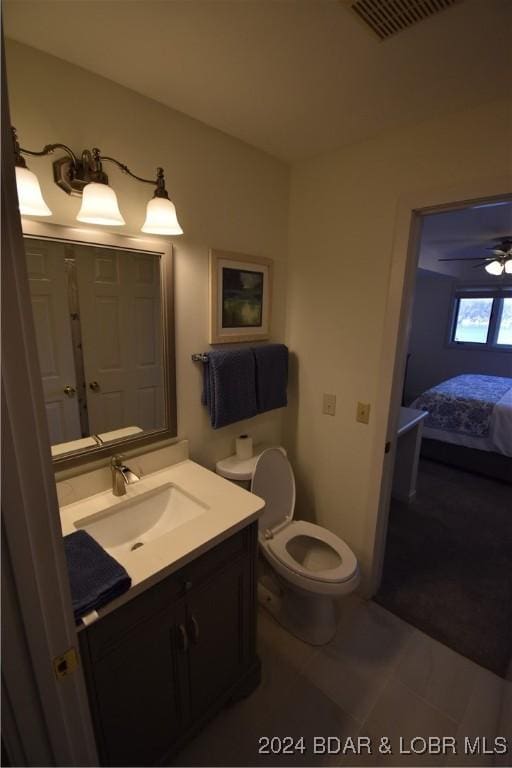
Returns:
<point x="310" y="618"/>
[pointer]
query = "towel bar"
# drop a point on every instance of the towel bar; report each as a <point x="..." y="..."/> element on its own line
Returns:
<point x="200" y="357"/>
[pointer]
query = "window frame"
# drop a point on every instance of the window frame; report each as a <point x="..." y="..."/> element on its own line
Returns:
<point x="479" y="292"/>
<point x="499" y="314"/>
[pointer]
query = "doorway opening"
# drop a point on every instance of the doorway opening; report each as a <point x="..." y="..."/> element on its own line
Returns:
<point x="448" y="558"/>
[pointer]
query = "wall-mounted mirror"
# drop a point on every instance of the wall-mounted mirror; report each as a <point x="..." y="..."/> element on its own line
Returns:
<point x="103" y="314"/>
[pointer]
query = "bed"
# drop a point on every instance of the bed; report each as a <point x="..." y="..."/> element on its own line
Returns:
<point x="469" y="423"/>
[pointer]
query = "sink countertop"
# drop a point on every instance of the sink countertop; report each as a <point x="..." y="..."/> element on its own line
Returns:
<point x="230" y="509"/>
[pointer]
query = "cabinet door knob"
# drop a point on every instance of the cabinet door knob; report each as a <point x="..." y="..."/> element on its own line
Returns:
<point x="194" y="630"/>
<point x="69" y="390"/>
<point x="94" y="386"/>
<point x="183" y="638"/>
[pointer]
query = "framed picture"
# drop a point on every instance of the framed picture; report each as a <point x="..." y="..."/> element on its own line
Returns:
<point x="240" y="297"/>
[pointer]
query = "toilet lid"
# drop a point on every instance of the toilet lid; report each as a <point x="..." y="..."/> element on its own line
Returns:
<point x="274" y="482"/>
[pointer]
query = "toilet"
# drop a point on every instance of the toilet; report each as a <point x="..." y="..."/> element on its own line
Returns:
<point x="311" y="565"/>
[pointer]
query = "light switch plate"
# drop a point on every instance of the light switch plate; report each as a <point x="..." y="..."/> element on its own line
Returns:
<point x="363" y="413"/>
<point x="329" y="405"/>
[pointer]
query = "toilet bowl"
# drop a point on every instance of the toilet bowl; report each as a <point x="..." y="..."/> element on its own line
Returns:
<point x="313" y="566"/>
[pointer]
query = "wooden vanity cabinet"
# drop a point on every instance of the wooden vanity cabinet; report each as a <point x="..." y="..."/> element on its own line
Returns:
<point x="161" y="665"/>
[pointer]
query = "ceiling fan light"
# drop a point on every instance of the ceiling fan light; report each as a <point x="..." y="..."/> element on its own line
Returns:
<point x="100" y="206"/>
<point x="494" y="268"/>
<point x="508" y="266"/>
<point x="161" y="218"/>
<point x="30" y="197"/>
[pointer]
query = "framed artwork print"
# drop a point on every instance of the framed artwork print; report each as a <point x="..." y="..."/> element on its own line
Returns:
<point x="240" y="297"/>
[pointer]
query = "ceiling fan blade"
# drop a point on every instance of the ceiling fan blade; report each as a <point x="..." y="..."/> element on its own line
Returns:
<point x="482" y="264"/>
<point x="480" y="239"/>
<point x="467" y="258"/>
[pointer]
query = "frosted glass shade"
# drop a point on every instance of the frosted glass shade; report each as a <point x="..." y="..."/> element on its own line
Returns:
<point x="161" y="218"/>
<point x="494" y="268"/>
<point x="30" y="197"/>
<point x="100" y="206"/>
<point x="508" y="266"/>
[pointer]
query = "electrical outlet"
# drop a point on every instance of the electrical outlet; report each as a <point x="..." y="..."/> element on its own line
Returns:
<point x="329" y="405"/>
<point x="363" y="413"/>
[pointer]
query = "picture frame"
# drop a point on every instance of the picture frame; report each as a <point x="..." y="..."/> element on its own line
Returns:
<point x="240" y="297"/>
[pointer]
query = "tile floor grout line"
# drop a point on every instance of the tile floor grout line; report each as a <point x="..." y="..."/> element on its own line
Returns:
<point x="470" y="697"/>
<point x="478" y="669"/>
<point x="377" y="700"/>
<point x="429" y="703"/>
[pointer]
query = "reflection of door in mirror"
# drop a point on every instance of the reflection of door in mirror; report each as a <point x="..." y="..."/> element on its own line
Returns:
<point x="120" y="313"/>
<point x="99" y="324"/>
<point x="48" y="289"/>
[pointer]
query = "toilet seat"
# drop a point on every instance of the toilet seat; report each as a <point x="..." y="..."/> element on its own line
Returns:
<point x="274" y="481"/>
<point x="278" y="546"/>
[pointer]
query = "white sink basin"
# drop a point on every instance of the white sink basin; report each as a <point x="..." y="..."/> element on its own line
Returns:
<point x="130" y="524"/>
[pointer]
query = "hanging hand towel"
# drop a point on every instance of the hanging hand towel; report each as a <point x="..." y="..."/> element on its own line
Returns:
<point x="94" y="576"/>
<point x="271" y="376"/>
<point x="229" y="386"/>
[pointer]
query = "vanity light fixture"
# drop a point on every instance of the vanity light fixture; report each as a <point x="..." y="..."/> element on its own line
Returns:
<point x="30" y="197"/>
<point x="85" y="178"/>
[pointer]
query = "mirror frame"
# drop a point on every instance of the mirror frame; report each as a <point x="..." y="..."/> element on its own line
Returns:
<point x="161" y="247"/>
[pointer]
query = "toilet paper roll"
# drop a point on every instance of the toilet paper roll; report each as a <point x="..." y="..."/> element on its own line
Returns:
<point x="244" y="447"/>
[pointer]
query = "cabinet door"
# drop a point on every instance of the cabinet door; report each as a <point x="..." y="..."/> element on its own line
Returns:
<point x="138" y="691"/>
<point x="216" y="617"/>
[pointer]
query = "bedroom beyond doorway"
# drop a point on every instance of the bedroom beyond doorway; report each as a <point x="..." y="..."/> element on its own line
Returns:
<point x="448" y="561"/>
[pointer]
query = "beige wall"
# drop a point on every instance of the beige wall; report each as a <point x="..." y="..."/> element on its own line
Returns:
<point x="343" y="215"/>
<point x="343" y="210"/>
<point x="227" y="194"/>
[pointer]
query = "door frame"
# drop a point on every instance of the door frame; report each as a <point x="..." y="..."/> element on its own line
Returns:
<point x="46" y="720"/>
<point x="397" y="324"/>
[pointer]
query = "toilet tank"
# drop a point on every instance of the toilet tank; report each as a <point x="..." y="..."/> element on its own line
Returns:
<point x="240" y="471"/>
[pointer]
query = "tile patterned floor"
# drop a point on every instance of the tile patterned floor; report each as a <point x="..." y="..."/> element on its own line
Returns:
<point x="379" y="677"/>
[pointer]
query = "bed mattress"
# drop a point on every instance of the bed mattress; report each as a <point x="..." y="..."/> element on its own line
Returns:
<point x="471" y="410"/>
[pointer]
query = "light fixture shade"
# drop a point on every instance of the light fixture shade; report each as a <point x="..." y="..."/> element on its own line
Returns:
<point x="30" y="197"/>
<point x="100" y="206"/>
<point x="508" y="266"/>
<point x="494" y="268"/>
<point x="161" y="218"/>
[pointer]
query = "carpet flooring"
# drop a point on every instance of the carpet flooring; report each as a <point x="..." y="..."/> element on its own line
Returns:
<point x="448" y="564"/>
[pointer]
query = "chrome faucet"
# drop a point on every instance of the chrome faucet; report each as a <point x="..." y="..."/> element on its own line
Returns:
<point x="121" y="476"/>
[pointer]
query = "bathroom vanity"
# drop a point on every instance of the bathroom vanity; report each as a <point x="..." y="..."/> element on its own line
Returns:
<point x="162" y="658"/>
<point x="158" y="667"/>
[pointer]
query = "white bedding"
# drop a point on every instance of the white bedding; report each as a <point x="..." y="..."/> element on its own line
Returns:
<point x="500" y="433"/>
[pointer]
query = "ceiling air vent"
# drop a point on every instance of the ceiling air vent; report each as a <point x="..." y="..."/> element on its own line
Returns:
<point x="387" y="17"/>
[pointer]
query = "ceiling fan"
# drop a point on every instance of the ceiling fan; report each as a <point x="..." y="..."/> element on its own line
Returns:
<point x="499" y="263"/>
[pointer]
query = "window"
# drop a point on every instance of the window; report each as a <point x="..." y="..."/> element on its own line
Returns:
<point x="505" y="323"/>
<point x="472" y="321"/>
<point x="482" y="318"/>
